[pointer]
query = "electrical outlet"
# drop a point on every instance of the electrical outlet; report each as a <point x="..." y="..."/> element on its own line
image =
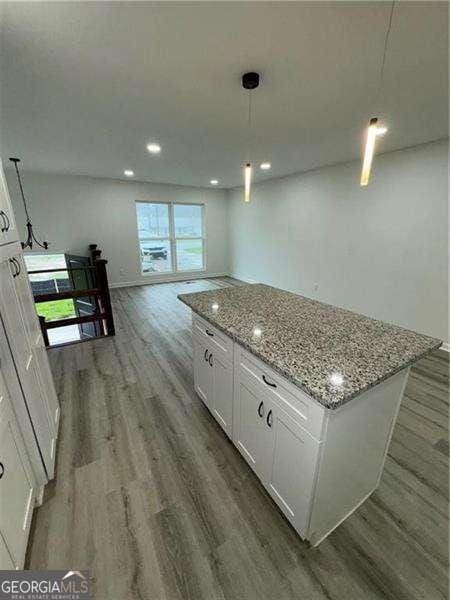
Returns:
<point x="316" y="287"/>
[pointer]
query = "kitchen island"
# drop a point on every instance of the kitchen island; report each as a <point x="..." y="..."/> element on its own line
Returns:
<point x="308" y="392"/>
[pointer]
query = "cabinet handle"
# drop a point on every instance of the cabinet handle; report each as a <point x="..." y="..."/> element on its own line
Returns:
<point x="3" y="216"/>
<point x="205" y="355"/>
<point x="210" y="333"/>
<point x="210" y="359"/>
<point x="274" y="385"/>
<point x="261" y="406"/>
<point x="269" y="419"/>
<point x="19" y="268"/>
<point x="2" y="469"/>
<point x="8" y="222"/>
<point x="13" y="262"/>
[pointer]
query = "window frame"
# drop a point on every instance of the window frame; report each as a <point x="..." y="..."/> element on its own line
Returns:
<point x="172" y="239"/>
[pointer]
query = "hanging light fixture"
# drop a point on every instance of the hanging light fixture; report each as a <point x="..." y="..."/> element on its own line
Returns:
<point x="250" y="81"/>
<point x="247" y="181"/>
<point x="30" y="233"/>
<point x="374" y="130"/>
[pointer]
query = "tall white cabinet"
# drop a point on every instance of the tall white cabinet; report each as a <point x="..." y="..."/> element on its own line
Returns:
<point x="29" y="410"/>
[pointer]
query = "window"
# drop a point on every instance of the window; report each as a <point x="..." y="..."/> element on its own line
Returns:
<point x="171" y="237"/>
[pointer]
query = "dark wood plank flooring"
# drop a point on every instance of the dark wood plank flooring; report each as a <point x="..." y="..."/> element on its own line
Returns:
<point x="155" y="501"/>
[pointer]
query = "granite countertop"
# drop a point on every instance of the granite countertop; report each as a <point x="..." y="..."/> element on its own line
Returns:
<point x="330" y="353"/>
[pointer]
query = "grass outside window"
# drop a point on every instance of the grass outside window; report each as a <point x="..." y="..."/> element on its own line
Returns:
<point x="56" y="309"/>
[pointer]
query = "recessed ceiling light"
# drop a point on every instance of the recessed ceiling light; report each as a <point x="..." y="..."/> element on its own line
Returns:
<point x="128" y="173"/>
<point x="154" y="148"/>
<point x="214" y="182"/>
<point x="265" y="166"/>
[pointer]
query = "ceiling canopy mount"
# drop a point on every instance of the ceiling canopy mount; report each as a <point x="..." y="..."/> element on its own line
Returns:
<point x="250" y="81"/>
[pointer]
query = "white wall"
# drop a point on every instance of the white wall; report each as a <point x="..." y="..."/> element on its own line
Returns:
<point x="74" y="211"/>
<point x="380" y="250"/>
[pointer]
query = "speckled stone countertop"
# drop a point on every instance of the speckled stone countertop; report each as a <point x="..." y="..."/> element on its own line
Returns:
<point x="330" y="353"/>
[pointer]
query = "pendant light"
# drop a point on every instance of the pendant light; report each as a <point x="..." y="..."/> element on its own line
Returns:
<point x="250" y="81"/>
<point x="247" y="181"/>
<point x="374" y="130"/>
<point x="28" y="243"/>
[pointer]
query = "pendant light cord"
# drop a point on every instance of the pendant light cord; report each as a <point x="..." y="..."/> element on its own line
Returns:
<point x="249" y="143"/>
<point x="386" y="42"/>
<point x="21" y="190"/>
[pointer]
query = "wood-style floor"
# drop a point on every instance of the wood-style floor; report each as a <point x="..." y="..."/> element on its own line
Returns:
<point x="155" y="501"/>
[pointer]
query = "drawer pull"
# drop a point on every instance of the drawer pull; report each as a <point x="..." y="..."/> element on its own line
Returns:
<point x="2" y="469"/>
<point x="210" y="333"/>
<point x="261" y="409"/>
<point x="269" y="419"/>
<point x="210" y="359"/>
<point x="274" y="385"/>
<point x="5" y="223"/>
<point x="14" y="263"/>
<point x="206" y="355"/>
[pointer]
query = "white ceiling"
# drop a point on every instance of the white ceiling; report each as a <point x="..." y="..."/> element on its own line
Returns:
<point x="85" y="85"/>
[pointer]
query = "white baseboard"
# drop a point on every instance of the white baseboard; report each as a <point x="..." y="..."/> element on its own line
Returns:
<point x="167" y="279"/>
<point x="445" y="347"/>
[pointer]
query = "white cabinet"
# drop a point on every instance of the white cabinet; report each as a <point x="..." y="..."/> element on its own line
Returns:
<point x="317" y="464"/>
<point x="10" y="379"/>
<point x="213" y="375"/>
<point x="17" y="314"/>
<point x="16" y="486"/>
<point x="278" y="449"/>
<point x="6" y="562"/>
<point x="252" y="436"/>
<point x="8" y="229"/>
<point x="24" y="293"/>
<point x="292" y="463"/>
<point x="33" y="328"/>
<point x="203" y="375"/>
<point x="222" y="391"/>
<point x="29" y="409"/>
<point x="47" y="385"/>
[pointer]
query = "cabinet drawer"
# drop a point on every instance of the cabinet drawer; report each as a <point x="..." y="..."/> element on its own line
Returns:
<point x="216" y="339"/>
<point x="297" y="404"/>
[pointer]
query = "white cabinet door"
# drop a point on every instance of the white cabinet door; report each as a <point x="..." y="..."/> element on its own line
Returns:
<point x="12" y="314"/>
<point x="25" y="296"/>
<point x="8" y="229"/>
<point x="16" y="482"/>
<point x="213" y="381"/>
<point x="15" y="393"/>
<point x="253" y="437"/>
<point x="47" y="383"/>
<point x="6" y="563"/>
<point x="291" y="468"/>
<point x="31" y="320"/>
<point x="203" y="373"/>
<point x="222" y="391"/>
